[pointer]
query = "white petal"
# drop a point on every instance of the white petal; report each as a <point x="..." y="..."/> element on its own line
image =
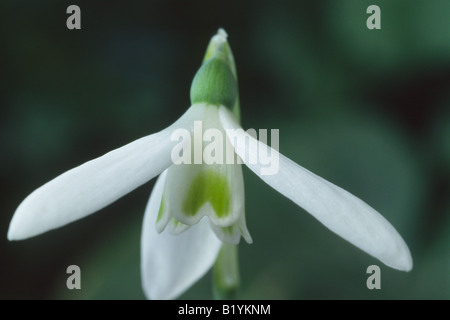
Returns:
<point x="228" y="235"/>
<point x="232" y="234"/>
<point x="97" y="183"/>
<point x="337" y="209"/>
<point x="243" y="229"/>
<point x="170" y="264"/>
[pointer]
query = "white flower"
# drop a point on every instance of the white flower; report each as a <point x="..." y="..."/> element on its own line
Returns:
<point x="179" y="245"/>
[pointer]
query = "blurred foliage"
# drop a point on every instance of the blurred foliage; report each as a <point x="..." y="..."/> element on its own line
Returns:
<point x="368" y="110"/>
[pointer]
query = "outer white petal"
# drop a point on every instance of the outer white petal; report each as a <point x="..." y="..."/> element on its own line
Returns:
<point x="337" y="209"/>
<point x="170" y="264"/>
<point x="97" y="183"/>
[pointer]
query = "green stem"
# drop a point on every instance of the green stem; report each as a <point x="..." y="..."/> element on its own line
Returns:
<point x="226" y="273"/>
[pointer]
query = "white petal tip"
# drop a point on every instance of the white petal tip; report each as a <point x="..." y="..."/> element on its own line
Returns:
<point x="405" y="267"/>
<point x="396" y="254"/>
<point x="15" y="232"/>
<point x="11" y="236"/>
<point x="404" y="263"/>
<point x="24" y="225"/>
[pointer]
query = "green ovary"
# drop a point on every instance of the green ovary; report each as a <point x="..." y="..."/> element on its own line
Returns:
<point x="208" y="186"/>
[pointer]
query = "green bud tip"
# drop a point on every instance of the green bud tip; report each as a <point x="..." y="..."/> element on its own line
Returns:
<point x="216" y="82"/>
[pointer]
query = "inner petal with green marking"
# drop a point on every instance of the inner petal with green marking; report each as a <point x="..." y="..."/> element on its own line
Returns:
<point x="208" y="186"/>
<point x="196" y="190"/>
<point x="216" y="190"/>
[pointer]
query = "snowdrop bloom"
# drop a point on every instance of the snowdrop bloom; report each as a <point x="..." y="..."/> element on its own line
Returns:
<point x="195" y="214"/>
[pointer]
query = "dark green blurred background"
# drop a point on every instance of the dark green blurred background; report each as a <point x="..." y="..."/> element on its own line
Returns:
<point x="368" y="110"/>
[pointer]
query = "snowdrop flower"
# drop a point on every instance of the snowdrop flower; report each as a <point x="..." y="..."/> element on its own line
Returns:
<point x="195" y="214"/>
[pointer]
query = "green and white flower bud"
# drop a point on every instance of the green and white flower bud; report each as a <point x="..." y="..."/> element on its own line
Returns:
<point x="214" y="84"/>
<point x="216" y="81"/>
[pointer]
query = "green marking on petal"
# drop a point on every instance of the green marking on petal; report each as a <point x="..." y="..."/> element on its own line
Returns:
<point x="228" y="230"/>
<point x="161" y="210"/>
<point x="175" y="222"/>
<point x="176" y="227"/>
<point x="208" y="186"/>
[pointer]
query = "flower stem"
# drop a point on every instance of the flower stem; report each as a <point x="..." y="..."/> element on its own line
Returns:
<point x="226" y="273"/>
